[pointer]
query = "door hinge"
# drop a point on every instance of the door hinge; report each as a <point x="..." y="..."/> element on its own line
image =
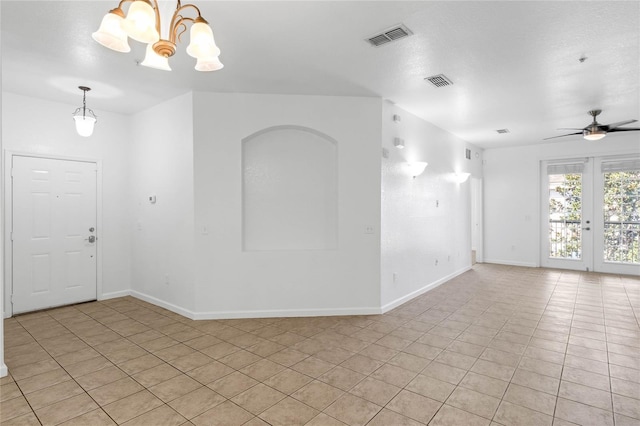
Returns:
<point x="11" y="299"/>
<point x="11" y="235"/>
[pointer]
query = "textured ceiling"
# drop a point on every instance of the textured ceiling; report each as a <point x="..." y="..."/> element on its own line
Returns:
<point x="514" y="64"/>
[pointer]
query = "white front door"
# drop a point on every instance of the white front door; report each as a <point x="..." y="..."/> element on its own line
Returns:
<point x="53" y="233"/>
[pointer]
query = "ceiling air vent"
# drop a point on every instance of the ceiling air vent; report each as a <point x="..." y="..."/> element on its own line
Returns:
<point x="392" y="34"/>
<point x="502" y="131"/>
<point x="439" y="80"/>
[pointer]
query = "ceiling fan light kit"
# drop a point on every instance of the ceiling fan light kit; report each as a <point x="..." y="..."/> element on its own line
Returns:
<point x="596" y="131"/>
<point x="143" y="23"/>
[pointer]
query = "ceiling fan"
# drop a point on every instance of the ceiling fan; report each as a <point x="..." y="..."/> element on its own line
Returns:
<point x="595" y="130"/>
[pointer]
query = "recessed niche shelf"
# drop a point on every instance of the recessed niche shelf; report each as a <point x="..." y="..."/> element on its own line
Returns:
<point x="289" y="190"/>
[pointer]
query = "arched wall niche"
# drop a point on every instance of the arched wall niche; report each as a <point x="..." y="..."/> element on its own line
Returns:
<point x="289" y="190"/>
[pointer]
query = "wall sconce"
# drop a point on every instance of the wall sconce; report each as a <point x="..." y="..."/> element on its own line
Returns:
<point x="398" y="143"/>
<point x="460" y="177"/>
<point x="416" y="168"/>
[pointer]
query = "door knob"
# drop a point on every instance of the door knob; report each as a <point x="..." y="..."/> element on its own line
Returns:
<point x="91" y="239"/>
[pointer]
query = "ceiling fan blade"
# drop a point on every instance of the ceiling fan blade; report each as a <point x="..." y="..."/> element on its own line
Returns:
<point x="608" y="127"/>
<point x="624" y="129"/>
<point x="570" y="128"/>
<point x="562" y="136"/>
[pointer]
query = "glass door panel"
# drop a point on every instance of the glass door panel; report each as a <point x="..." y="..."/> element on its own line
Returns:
<point x="566" y="237"/>
<point x="618" y="235"/>
<point x="565" y="216"/>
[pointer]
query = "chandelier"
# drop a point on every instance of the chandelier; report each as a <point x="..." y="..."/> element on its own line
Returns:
<point x="142" y="23"/>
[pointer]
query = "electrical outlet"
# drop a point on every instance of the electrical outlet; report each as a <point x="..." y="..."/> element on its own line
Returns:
<point x="395" y="277"/>
<point x="166" y="279"/>
<point x="368" y="229"/>
<point x="436" y="262"/>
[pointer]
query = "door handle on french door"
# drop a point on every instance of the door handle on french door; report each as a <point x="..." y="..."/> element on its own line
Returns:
<point x="91" y="239"/>
<point x="587" y="228"/>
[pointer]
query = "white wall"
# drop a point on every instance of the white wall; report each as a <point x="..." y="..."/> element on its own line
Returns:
<point x="426" y="219"/>
<point x="53" y="134"/>
<point x="162" y="166"/>
<point x="232" y="282"/>
<point x="512" y="193"/>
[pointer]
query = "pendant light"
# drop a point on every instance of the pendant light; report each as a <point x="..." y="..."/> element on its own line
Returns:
<point x="85" y="118"/>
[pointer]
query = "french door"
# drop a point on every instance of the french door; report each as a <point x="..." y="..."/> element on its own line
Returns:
<point x="591" y="214"/>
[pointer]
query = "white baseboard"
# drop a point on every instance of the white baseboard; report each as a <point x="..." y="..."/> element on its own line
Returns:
<point x="276" y="313"/>
<point x="399" y="301"/>
<point x="114" y="294"/>
<point x="169" y="306"/>
<point x="4" y="371"/>
<point x="511" y="263"/>
<point x="281" y="313"/>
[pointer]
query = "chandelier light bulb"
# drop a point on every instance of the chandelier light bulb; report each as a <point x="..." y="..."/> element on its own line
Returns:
<point x="140" y="23"/>
<point x="111" y="34"/>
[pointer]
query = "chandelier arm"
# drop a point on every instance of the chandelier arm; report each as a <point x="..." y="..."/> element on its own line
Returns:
<point x="176" y="25"/>
<point x="178" y="19"/>
<point x="177" y="35"/>
<point x="156" y="9"/>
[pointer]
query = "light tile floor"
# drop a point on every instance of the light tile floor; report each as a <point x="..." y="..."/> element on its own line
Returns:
<point x="497" y="345"/>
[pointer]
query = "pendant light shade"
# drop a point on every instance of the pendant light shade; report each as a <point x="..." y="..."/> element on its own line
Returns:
<point x="84" y="124"/>
<point x="209" y="64"/>
<point x="153" y="60"/>
<point x="111" y="34"/>
<point x="202" y="43"/>
<point x="140" y="23"/>
<point x="84" y="118"/>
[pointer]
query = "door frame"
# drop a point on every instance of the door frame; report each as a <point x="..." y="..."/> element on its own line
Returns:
<point x="596" y="155"/>
<point x="8" y="220"/>
<point x="477" y="210"/>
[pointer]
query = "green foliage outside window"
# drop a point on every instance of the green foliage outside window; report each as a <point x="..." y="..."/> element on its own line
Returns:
<point x="622" y="217"/>
<point x="565" y="214"/>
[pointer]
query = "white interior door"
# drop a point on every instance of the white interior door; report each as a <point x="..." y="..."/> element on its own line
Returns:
<point x="53" y="232"/>
<point x="567" y="222"/>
